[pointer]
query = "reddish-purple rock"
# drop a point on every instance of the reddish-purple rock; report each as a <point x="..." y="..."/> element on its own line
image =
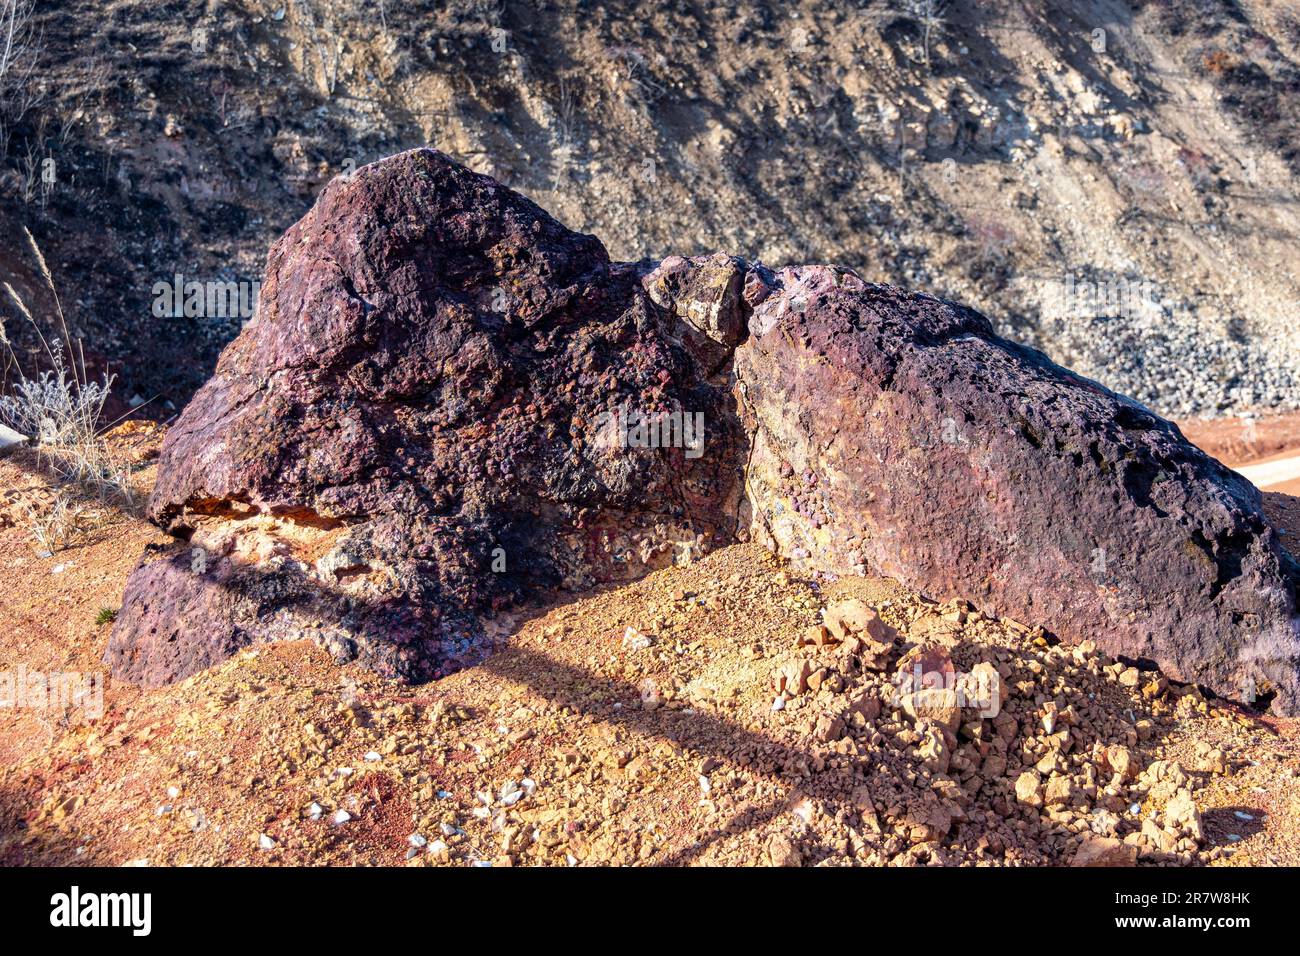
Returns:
<point x="895" y="433"/>
<point x="437" y="413"/>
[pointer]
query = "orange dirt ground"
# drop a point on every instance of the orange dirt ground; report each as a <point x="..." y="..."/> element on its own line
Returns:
<point x="575" y="746"/>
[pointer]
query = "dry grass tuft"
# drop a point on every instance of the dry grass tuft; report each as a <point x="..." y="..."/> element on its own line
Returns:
<point x="54" y="528"/>
<point x="60" y="409"/>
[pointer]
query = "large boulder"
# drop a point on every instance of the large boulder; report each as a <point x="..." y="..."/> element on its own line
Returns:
<point x="893" y="432"/>
<point x="446" y="404"/>
<point x="449" y="405"/>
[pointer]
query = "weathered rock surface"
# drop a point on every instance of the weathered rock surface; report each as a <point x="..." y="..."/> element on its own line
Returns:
<point x="415" y="433"/>
<point x="437" y="407"/>
<point x="895" y="432"/>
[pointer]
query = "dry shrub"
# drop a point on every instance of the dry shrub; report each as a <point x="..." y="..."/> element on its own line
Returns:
<point x="60" y="409"/>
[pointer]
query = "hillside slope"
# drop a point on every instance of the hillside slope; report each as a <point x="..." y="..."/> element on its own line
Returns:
<point x="1113" y="182"/>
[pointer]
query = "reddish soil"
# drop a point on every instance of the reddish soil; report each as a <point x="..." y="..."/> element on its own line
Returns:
<point x="669" y="754"/>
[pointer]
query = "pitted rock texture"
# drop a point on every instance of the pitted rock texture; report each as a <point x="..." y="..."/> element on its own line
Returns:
<point x="895" y="432"/>
<point x="449" y="405"/>
<point x="430" y="380"/>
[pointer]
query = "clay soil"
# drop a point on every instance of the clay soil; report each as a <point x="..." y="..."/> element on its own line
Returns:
<point x="631" y="726"/>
